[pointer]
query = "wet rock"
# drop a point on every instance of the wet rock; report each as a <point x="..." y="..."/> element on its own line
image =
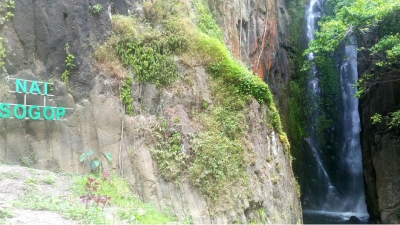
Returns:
<point x="354" y="220"/>
<point x="380" y="149"/>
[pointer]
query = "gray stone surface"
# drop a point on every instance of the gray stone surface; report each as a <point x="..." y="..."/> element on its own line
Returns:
<point x="380" y="150"/>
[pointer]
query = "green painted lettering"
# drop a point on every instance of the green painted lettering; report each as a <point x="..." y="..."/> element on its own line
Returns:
<point x="45" y="88"/>
<point x="18" y="85"/>
<point x="60" y="112"/>
<point x="4" y="110"/>
<point x="35" y="115"/>
<point x="34" y="88"/>
<point x="45" y="113"/>
<point x="23" y="114"/>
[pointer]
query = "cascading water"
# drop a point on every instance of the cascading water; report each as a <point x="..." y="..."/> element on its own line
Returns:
<point x="351" y="148"/>
<point x="336" y="200"/>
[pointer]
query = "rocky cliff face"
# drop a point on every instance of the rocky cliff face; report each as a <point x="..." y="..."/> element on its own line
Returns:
<point x="380" y="150"/>
<point x="35" y="42"/>
<point x="256" y="31"/>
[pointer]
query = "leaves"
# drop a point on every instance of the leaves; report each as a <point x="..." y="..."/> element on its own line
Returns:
<point x="69" y="59"/>
<point x="2" y="53"/>
<point x="84" y="155"/>
<point x="359" y="16"/>
<point x="126" y="97"/>
<point x="94" y="164"/>
<point x="90" y="196"/>
<point x="108" y="156"/>
<point x="152" y="62"/>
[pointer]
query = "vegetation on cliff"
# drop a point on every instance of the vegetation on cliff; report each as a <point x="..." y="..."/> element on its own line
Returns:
<point x="171" y="34"/>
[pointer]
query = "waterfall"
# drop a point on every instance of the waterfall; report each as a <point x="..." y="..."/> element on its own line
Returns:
<point x="351" y="148"/>
<point x="344" y="197"/>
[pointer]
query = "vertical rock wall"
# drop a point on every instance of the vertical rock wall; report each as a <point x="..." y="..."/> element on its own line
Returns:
<point x="380" y="149"/>
<point x="256" y="31"/>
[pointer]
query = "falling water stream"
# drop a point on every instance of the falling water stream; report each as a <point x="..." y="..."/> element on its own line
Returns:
<point x="336" y="202"/>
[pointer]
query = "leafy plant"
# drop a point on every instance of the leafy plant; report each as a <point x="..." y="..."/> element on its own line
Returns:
<point x="152" y="62"/>
<point x="2" y="53"/>
<point x="205" y="21"/>
<point x="94" y="163"/>
<point x="263" y="216"/>
<point x="376" y="118"/>
<point x="120" y="198"/>
<point x="96" y="8"/>
<point x="125" y="95"/>
<point x="24" y="162"/>
<point x="91" y="196"/>
<point x="49" y="180"/>
<point x="4" y="214"/>
<point x="9" y="5"/>
<point x="168" y="152"/>
<point x="220" y="64"/>
<point x="69" y="64"/>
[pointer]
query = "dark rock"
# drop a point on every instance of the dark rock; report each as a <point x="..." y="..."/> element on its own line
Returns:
<point x="121" y="6"/>
<point x="39" y="31"/>
<point x="380" y="147"/>
<point x="354" y="220"/>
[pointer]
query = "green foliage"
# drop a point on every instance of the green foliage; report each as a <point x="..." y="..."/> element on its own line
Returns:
<point x="296" y="12"/>
<point x="92" y="198"/>
<point x="161" y="10"/>
<point x="149" y="64"/>
<point x="4" y="214"/>
<point x="394" y="119"/>
<point x="220" y="64"/>
<point x="76" y="211"/>
<point x="263" y="216"/>
<point x="7" y="7"/>
<point x="2" y="53"/>
<point x="205" y="21"/>
<point x="94" y="163"/>
<point x="218" y="168"/>
<point x="333" y="6"/>
<point x="390" y="47"/>
<point x="24" y="162"/>
<point x="360" y="17"/>
<point x="125" y="95"/>
<point x="96" y="8"/>
<point x="69" y="64"/>
<point x="125" y="206"/>
<point x="151" y="56"/>
<point x="376" y="118"/>
<point x="329" y="83"/>
<point x="218" y="158"/>
<point x="297" y="121"/>
<point x="168" y="152"/>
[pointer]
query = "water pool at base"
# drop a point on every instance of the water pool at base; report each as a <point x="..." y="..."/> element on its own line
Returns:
<point x="324" y="217"/>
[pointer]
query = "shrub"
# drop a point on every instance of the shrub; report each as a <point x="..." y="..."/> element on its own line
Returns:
<point x="96" y="8"/>
<point x="69" y="64"/>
